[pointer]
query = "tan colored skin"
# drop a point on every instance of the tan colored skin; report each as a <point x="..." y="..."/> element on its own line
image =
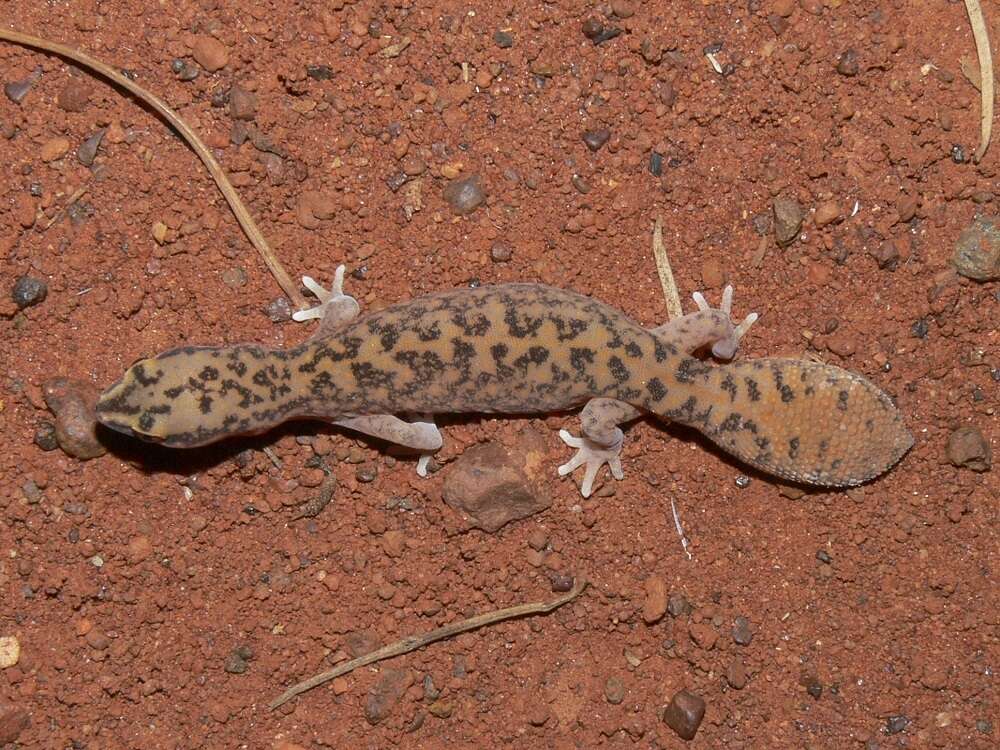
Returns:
<point x="518" y="348"/>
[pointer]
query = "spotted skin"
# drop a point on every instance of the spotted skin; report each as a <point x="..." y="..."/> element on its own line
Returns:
<point x="517" y="348"/>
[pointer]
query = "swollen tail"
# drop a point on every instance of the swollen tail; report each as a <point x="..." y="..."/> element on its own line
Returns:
<point x="800" y="420"/>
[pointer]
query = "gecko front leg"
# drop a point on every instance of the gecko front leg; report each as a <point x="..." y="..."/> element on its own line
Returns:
<point x="602" y="439"/>
<point x="335" y="308"/>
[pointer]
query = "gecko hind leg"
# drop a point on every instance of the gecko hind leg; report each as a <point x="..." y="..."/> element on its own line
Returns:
<point x="420" y="436"/>
<point x="708" y="327"/>
<point x="335" y="308"/>
<point x="600" y="419"/>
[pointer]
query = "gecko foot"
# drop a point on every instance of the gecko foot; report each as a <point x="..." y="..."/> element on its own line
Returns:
<point x="594" y="456"/>
<point x="333" y="302"/>
<point x="726" y="348"/>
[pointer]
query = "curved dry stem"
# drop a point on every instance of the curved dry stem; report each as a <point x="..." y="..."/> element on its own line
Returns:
<point x="975" y="12"/>
<point x="215" y="169"/>
<point x="413" y="642"/>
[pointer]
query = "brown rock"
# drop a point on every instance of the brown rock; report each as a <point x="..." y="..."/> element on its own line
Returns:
<point x="491" y="486"/>
<point x="72" y="402"/>
<point x="24" y="210"/>
<point x="74" y="96"/>
<point x="703" y="634"/>
<point x="139" y="549"/>
<point x="654" y="606"/>
<point x="906" y="208"/>
<point x="712" y="274"/>
<point x="977" y="252"/>
<point x="313" y="206"/>
<point x="386" y="694"/>
<point x="242" y="104"/>
<point x="13" y="721"/>
<point x="788" y="216"/>
<point x="736" y="674"/>
<point x="827" y="213"/>
<point x="54" y="148"/>
<point x="847" y="63"/>
<point x="968" y="448"/>
<point x="465" y="195"/>
<point x="886" y="255"/>
<point x="394" y="542"/>
<point x="684" y="714"/>
<point x="210" y="53"/>
<point x="594" y="139"/>
<point x="842" y="344"/>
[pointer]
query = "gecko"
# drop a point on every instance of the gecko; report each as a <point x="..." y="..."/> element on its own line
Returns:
<point x="519" y="348"/>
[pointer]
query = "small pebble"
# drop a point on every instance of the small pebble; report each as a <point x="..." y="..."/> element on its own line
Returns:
<point x="319" y="72"/>
<point x="847" y="63"/>
<point x="238" y="660"/>
<point x="826" y="213"/>
<point x="656" y="163"/>
<point x="920" y="328"/>
<point x="10" y="651"/>
<point x="614" y="690"/>
<point x="684" y="714"/>
<point x="896" y="724"/>
<point x="87" y="150"/>
<point x="13" y="721"/>
<point x="384" y="696"/>
<point x="503" y="39"/>
<point x="968" y="448"/>
<point x="596" y="138"/>
<point x="703" y="634"/>
<point x="17" y="90"/>
<point x="886" y="255"/>
<point x="560" y="582"/>
<point x="465" y="195"/>
<point x="958" y="153"/>
<point x="742" y="634"/>
<point x="242" y="104"/>
<point x="788" y="216"/>
<point x="74" y="96"/>
<point x="824" y="557"/>
<point x="678" y="606"/>
<point x="654" y="605"/>
<point x="54" y="148"/>
<point x="736" y="674"/>
<point x="977" y="251"/>
<point x="441" y="709"/>
<point x="210" y="53"/>
<point x="279" y="310"/>
<point x="45" y="436"/>
<point x="28" y="291"/>
<point x="234" y="278"/>
<point x="501" y="252"/>
<point x="186" y="71"/>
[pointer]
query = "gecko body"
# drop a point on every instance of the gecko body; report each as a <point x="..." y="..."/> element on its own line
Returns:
<point x="518" y="348"/>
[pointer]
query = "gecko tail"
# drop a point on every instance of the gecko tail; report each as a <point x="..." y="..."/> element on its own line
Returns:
<point x="804" y="421"/>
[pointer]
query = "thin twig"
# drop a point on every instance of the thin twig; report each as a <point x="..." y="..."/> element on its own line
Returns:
<point x="77" y="195"/>
<point x="670" y="295"/>
<point x="680" y="529"/>
<point x="215" y="169"/>
<point x="975" y="12"/>
<point x="413" y="642"/>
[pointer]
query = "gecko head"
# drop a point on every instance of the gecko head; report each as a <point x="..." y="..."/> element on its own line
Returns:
<point x="167" y="399"/>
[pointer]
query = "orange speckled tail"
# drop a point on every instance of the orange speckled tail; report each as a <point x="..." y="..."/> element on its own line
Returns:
<point x="801" y="420"/>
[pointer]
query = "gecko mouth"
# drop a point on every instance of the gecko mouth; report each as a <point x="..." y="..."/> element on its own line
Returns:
<point x="125" y="429"/>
